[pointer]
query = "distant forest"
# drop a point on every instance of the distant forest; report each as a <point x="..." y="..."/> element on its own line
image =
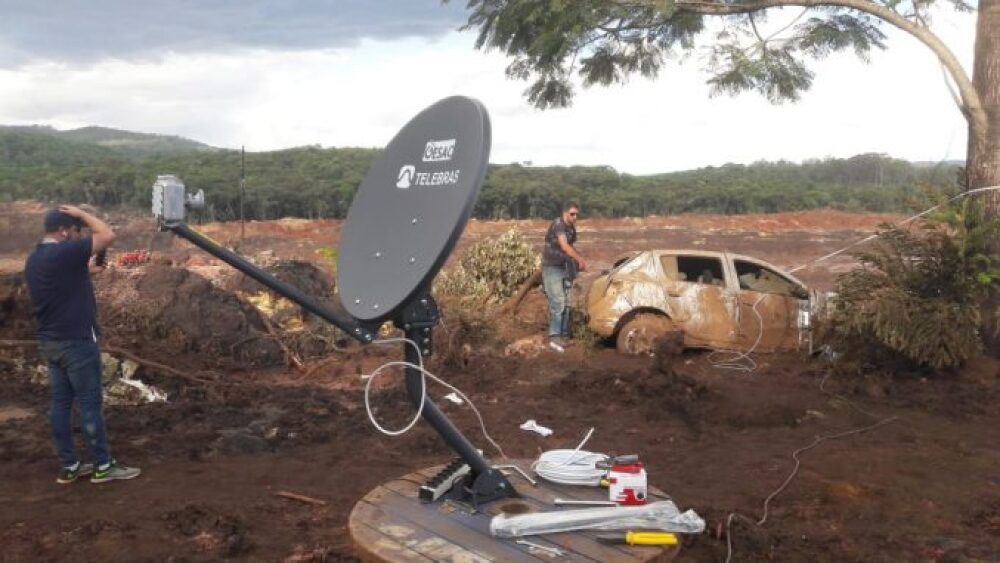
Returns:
<point x="108" y="168"/>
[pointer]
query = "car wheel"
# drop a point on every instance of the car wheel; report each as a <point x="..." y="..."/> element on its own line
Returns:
<point x="639" y="333"/>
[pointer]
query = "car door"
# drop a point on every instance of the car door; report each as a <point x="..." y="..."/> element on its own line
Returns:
<point x="769" y="305"/>
<point x="699" y="300"/>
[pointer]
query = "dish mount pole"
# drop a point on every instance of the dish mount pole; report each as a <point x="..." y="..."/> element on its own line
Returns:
<point x="416" y="318"/>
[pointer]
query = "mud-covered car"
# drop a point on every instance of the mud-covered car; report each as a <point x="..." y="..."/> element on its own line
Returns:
<point x="716" y="299"/>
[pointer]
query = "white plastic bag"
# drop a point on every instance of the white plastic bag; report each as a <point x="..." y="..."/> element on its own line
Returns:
<point x="660" y="515"/>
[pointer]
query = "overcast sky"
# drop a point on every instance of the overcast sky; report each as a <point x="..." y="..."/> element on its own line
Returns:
<point x="276" y="74"/>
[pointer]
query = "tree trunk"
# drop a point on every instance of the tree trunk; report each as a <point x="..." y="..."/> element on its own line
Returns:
<point x="983" y="158"/>
<point x="983" y="165"/>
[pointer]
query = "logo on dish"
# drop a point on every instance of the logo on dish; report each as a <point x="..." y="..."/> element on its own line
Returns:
<point x="405" y="178"/>
<point x="439" y="151"/>
<point x="408" y="176"/>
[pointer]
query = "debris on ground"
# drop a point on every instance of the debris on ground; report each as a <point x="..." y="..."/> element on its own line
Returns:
<point x="716" y="441"/>
<point x="170" y="313"/>
<point x="527" y="347"/>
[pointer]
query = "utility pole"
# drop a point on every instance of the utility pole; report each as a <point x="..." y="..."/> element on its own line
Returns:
<point x="243" y="190"/>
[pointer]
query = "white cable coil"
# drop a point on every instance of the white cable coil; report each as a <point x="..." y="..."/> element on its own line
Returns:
<point x="571" y="467"/>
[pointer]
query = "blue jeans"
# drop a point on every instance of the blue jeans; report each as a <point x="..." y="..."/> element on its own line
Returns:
<point x="75" y="373"/>
<point x="557" y="284"/>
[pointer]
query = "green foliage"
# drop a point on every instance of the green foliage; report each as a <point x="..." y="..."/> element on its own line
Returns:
<point x="491" y="270"/>
<point x="81" y="166"/>
<point x="604" y="42"/>
<point x="582" y="333"/>
<point x="822" y="36"/>
<point x="330" y="254"/>
<point x="776" y="73"/>
<point x="862" y="183"/>
<point x="917" y="296"/>
<point x="314" y="183"/>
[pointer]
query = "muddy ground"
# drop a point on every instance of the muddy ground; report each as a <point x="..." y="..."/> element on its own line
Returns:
<point x="240" y="424"/>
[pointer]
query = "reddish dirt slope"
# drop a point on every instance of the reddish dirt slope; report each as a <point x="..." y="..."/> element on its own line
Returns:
<point x="921" y="487"/>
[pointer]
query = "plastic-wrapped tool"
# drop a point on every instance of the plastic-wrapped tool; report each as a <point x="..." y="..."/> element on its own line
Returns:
<point x="660" y="515"/>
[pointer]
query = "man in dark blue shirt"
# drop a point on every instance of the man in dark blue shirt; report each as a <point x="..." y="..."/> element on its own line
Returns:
<point x="560" y="264"/>
<point x="58" y="276"/>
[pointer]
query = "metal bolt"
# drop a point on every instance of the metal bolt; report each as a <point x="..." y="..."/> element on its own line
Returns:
<point x="426" y="340"/>
<point x="406" y="326"/>
<point x="423" y="301"/>
<point x="378" y="255"/>
<point x="414" y="221"/>
<point x="412" y="260"/>
<point x="375" y="306"/>
<point x="427" y="352"/>
<point x="357" y="301"/>
<point x="357" y="331"/>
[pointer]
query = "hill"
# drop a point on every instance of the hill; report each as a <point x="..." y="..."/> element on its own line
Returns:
<point x="145" y="143"/>
<point x="126" y="143"/>
<point x="109" y="167"/>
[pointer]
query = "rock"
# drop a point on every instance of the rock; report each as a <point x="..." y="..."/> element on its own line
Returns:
<point x="119" y="393"/>
<point x="129" y="369"/>
<point x="39" y="375"/>
<point x="109" y="367"/>
<point x="528" y="348"/>
<point x="132" y="392"/>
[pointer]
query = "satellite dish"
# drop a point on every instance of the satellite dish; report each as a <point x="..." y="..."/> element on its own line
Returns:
<point x="403" y="223"/>
<point x="411" y="208"/>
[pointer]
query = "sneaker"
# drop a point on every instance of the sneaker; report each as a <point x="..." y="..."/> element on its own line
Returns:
<point x="114" y="471"/>
<point x="70" y="474"/>
<point x="556" y="344"/>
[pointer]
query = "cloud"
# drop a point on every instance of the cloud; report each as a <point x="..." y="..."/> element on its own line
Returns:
<point x="360" y="95"/>
<point x="75" y="32"/>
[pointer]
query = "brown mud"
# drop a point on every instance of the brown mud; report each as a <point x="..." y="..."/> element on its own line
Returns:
<point x="922" y="487"/>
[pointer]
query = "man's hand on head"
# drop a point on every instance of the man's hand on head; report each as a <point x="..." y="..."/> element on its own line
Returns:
<point x="72" y="211"/>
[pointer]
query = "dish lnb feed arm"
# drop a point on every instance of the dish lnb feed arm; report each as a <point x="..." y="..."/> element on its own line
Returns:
<point x="170" y="199"/>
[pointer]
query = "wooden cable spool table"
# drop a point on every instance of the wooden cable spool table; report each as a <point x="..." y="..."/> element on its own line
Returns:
<point x="391" y="524"/>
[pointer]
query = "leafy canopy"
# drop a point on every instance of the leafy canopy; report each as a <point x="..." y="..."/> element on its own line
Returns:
<point x="606" y="41"/>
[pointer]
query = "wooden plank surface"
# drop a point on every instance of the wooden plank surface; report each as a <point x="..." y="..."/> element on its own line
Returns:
<point x="391" y="524"/>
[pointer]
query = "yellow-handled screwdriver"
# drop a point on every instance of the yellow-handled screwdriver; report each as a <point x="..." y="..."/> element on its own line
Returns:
<point x="640" y="538"/>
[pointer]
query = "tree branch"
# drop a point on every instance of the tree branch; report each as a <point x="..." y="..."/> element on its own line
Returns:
<point x="971" y="107"/>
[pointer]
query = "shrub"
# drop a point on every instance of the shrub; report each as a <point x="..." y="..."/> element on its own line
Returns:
<point x="466" y="330"/>
<point x="490" y="270"/>
<point x="917" y="297"/>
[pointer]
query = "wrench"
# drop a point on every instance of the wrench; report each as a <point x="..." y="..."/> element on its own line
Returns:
<point x="555" y="551"/>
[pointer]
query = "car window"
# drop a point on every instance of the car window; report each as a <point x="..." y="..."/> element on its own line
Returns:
<point x="755" y="277"/>
<point x="701" y="269"/>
